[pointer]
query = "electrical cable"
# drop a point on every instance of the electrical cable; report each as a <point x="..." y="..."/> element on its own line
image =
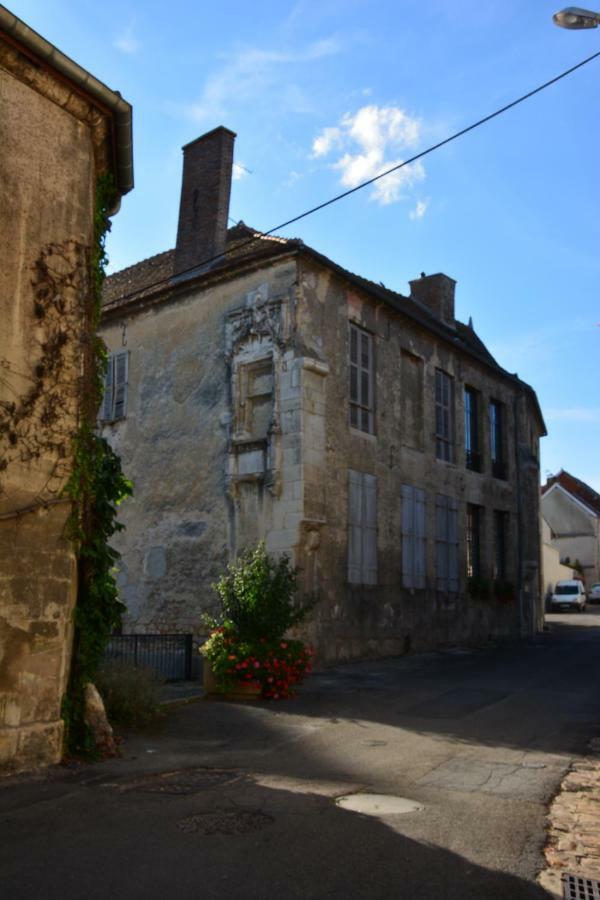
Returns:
<point x="407" y="162"/>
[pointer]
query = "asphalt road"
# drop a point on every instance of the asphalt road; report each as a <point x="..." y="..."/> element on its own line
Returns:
<point x="480" y="739"/>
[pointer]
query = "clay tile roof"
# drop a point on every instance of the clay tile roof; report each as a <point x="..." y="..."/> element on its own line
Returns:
<point x="158" y="270"/>
<point x="576" y="488"/>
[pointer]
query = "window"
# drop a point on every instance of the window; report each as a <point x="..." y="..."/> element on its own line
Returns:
<point x="253" y="391"/>
<point x="473" y="458"/>
<point x="497" y="439"/>
<point x="443" y="415"/>
<point x="362" y="528"/>
<point x="361" y="380"/>
<point x="446" y="543"/>
<point x="500" y="532"/>
<point x="414" y="542"/>
<point x="114" y="404"/>
<point x="474" y="517"/>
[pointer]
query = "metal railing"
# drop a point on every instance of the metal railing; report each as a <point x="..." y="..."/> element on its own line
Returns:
<point x="170" y="655"/>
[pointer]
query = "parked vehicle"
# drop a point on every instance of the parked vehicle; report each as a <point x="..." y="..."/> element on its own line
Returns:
<point x="594" y="594"/>
<point x="568" y="594"/>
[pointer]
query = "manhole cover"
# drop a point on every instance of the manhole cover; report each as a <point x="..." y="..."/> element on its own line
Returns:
<point x="378" y="804"/>
<point x="180" y="781"/>
<point x="577" y="888"/>
<point x="225" y="822"/>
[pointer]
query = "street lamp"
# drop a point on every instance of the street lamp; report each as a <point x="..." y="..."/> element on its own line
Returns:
<point x="574" y="17"/>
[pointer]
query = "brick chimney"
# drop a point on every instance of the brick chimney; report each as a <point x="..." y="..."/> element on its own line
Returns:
<point x="204" y="204"/>
<point x="436" y="292"/>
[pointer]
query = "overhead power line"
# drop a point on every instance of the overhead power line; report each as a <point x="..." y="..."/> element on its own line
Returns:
<point x="364" y="184"/>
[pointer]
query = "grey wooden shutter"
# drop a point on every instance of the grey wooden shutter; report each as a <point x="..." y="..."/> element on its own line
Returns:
<point x="452" y="544"/>
<point x="420" y="538"/>
<point x="441" y="542"/>
<point x="354" y="527"/>
<point x="369" y="523"/>
<point x="408" y="540"/>
<point x="120" y="383"/>
<point x="107" y="400"/>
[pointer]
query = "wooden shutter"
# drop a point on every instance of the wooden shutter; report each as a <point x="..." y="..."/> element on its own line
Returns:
<point x="452" y="544"/>
<point x="441" y="542"/>
<point x="121" y="361"/>
<point x="369" y="554"/>
<point x="107" y="400"/>
<point x="420" y="538"/>
<point x="408" y="538"/>
<point x="354" y="527"/>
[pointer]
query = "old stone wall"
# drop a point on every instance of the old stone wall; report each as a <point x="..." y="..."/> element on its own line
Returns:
<point x="208" y="440"/>
<point x="352" y="621"/>
<point x="47" y="170"/>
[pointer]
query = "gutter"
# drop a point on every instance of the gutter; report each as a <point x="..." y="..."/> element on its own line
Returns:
<point x="120" y="108"/>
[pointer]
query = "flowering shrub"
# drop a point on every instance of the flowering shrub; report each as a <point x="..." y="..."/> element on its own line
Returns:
<point x="247" y="644"/>
<point x="273" y="665"/>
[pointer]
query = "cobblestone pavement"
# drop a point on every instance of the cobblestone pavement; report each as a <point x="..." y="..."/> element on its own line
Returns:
<point x="574" y="825"/>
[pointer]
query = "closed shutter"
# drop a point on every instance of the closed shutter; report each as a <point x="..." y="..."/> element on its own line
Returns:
<point x="441" y="543"/>
<point x="362" y="528"/>
<point x="107" y="401"/>
<point x="420" y="538"/>
<point x="121" y="361"/>
<point x="408" y="538"/>
<point x="354" y="527"/>
<point x="369" y="557"/>
<point x="452" y="544"/>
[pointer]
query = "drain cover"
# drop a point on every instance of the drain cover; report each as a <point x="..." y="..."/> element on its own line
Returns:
<point x="577" y="888"/>
<point x="180" y="781"/>
<point x="378" y="804"/>
<point x="225" y="822"/>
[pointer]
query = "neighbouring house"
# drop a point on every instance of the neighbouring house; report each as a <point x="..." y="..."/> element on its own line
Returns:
<point x="572" y="510"/>
<point x="61" y="130"/>
<point x="259" y="390"/>
<point x="552" y="568"/>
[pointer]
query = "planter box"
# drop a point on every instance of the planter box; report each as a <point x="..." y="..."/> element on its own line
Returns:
<point x="213" y="692"/>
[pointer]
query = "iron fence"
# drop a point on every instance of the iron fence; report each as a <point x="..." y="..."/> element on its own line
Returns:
<point x="170" y="655"/>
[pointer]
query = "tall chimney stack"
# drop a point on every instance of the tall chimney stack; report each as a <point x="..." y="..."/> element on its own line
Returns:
<point x="204" y="204"/>
<point x="436" y="292"/>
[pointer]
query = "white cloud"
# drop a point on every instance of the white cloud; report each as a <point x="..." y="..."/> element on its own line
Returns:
<point x="239" y="171"/>
<point x="368" y="137"/>
<point x="419" y="211"/>
<point x="254" y="73"/>
<point x="126" y="42"/>
<point x="326" y="141"/>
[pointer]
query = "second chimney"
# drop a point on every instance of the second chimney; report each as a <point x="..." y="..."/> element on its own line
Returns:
<point x="204" y="204"/>
<point x="436" y="292"/>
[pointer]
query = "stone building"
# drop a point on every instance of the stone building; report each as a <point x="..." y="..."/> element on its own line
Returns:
<point x="61" y="129"/>
<point x="260" y="390"/>
<point x="572" y="510"/>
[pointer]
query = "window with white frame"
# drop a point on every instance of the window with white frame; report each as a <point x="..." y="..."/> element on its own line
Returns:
<point x="443" y="415"/>
<point x="414" y="540"/>
<point x="362" y="528"/>
<point x="114" y="403"/>
<point x="361" y="380"/>
<point x="446" y="543"/>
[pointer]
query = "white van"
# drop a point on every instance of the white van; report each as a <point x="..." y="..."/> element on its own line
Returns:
<point x="568" y="595"/>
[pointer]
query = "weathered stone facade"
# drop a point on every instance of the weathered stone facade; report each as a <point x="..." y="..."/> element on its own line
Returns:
<point x="237" y="427"/>
<point x="56" y="138"/>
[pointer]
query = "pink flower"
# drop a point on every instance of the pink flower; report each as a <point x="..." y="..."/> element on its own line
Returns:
<point x="256" y="664"/>
<point x="283" y="645"/>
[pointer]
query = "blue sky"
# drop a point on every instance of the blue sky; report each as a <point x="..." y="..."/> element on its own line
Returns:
<point x="324" y="94"/>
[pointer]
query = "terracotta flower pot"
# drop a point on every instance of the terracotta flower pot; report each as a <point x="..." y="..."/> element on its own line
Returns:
<point x="242" y="691"/>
